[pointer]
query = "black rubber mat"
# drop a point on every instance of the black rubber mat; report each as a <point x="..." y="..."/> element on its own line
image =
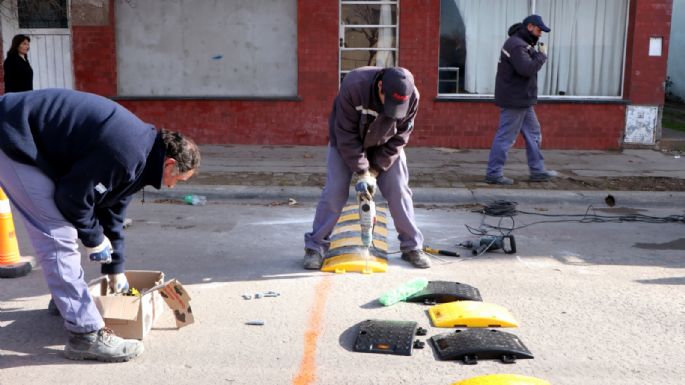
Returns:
<point x="386" y="337"/>
<point x="471" y="345"/>
<point x="444" y="291"/>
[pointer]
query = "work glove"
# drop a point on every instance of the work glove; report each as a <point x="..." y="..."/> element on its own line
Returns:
<point x="366" y="184"/>
<point x="101" y="253"/>
<point x="117" y="283"/>
<point x="542" y="48"/>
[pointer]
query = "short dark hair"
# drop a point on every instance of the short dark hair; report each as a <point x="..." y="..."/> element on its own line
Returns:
<point x="182" y="149"/>
<point x="16" y="42"/>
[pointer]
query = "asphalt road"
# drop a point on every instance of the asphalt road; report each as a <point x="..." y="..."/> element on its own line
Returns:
<point x="597" y="303"/>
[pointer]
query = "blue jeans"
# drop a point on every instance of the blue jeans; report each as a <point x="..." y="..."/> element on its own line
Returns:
<point x="55" y="241"/>
<point x="393" y="184"/>
<point x="511" y="122"/>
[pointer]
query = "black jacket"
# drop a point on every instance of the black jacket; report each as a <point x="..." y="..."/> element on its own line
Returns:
<point x="18" y="74"/>
<point x="359" y="130"/>
<point x="516" y="85"/>
<point x="97" y="153"/>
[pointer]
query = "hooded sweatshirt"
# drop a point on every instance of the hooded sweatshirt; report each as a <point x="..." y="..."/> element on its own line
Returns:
<point x="516" y="85"/>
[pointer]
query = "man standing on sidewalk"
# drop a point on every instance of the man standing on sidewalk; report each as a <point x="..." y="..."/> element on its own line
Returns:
<point x="70" y="162"/>
<point x="516" y="92"/>
<point x="372" y="119"/>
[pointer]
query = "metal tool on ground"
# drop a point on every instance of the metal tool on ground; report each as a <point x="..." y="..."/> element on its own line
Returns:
<point x="507" y="243"/>
<point x="447" y="253"/>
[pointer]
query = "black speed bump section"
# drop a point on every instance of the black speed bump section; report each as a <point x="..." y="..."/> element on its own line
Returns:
<point x="444" y="291"/>
<point x="471" y="345"/>
<point x="386" y="337"/>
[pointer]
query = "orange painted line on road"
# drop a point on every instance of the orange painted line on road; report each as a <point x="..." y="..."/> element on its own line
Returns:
<point x="306" y="374"/>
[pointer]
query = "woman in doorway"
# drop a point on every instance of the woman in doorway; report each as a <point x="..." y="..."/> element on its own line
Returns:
<point x="18" y="71"/>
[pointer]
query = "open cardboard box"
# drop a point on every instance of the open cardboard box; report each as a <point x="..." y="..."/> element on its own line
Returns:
<point x="133" y="316"/>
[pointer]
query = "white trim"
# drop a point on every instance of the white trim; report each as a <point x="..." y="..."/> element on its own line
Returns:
<point x="366" y="111"/>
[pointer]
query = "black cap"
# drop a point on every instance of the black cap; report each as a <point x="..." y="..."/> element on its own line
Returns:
<point x="398" y="86"/>
<point x="536" y="20"/>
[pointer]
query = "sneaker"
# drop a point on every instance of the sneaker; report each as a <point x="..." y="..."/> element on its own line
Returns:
<point x="503" y="180"/>
<point x="417" y="258"/>
<point x="101" y="345"/>
<point x="312" y="259"/>
<point x="544" y="176"/>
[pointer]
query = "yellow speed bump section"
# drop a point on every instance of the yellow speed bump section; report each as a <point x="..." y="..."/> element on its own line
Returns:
<point x="356" y="229"/>
<point x="471" y="314"/>
<point x="357" y="241"/>
<point x="353" y="263"/>
<point x="346" y="253"/>
<point x="502" y="379"/>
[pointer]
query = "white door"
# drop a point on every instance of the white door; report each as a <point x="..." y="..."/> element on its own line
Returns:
<point x="46" y="23"/>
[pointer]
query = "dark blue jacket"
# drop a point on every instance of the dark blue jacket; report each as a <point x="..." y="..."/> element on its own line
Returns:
<point x="18" y="74"/>
<point x="97" y="153"/>
<point x="359" y="130"/>
<point x="516" y="85"/>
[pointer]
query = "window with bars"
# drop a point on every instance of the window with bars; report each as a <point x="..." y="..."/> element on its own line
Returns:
<point x="368" y="34"/>
<point x="34" y="14"/>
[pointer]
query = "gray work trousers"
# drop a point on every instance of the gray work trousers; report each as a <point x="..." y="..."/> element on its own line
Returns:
<point x="393" y="184"/>
<point x="511" y="122"/>
<point x="54" y="240"/>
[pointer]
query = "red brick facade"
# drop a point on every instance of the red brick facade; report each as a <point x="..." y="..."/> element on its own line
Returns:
<point x="462" y="124"/>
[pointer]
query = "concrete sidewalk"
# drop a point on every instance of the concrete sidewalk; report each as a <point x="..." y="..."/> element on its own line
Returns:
<point x="439" y="175"/>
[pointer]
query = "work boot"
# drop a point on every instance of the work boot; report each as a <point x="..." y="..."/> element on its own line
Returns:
<point x="312" y="259"/>
<point x="503" y="180"/>
<point x="417" y="258"/>
<point x="101" y="345"/>
<point x="544" y="176"/>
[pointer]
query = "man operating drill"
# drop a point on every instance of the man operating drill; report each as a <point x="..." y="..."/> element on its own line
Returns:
<point x="70" y="162"/>
<point x="372" y="120"/>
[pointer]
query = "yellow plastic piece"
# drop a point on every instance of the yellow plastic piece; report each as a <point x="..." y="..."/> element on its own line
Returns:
<point x="355" y="217"/>
<point x="502" y="379"/>
<point x="348" y="263"/>
<point x="357" y="241"/>
<point x="355" y="228"/>
<point x="471" y="314"/>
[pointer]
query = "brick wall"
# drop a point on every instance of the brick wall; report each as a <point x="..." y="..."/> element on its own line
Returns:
<point x="461" y="124"/>
<point x="645" y="75"/>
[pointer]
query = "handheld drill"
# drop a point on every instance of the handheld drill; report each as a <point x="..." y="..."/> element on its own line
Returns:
<point x="367" y="219"/>
<point x="491" y="243"/>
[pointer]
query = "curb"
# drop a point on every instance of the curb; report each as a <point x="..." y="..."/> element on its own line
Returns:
<point x="453" y="196"/>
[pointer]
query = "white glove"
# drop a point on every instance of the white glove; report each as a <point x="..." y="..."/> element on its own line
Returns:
<point x="101" y="253"/>
<point x="542" y="48"/>
<point x="117" y="283"/>
<point x="366" y="184"/>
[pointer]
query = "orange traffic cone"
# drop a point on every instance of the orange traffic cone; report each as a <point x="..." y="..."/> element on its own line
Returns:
<point x="11" y="264"/>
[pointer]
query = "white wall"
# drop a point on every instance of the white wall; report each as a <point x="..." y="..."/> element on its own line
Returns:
<point x="676" y="49"/>
<point x="206" y="47"/>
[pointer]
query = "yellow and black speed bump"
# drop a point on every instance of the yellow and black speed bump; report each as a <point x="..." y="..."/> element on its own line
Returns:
<point x="471" y="314"/>
<point x="346" y="253"/>
<point x="444" y="291"/>
<point x="471" y="345"/>
<point x="502" y="379"/>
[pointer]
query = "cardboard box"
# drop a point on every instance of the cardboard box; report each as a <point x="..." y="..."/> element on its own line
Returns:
<point x="134" y="316"/>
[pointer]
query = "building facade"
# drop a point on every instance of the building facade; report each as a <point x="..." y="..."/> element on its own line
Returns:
<point x="266" y="71"/>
